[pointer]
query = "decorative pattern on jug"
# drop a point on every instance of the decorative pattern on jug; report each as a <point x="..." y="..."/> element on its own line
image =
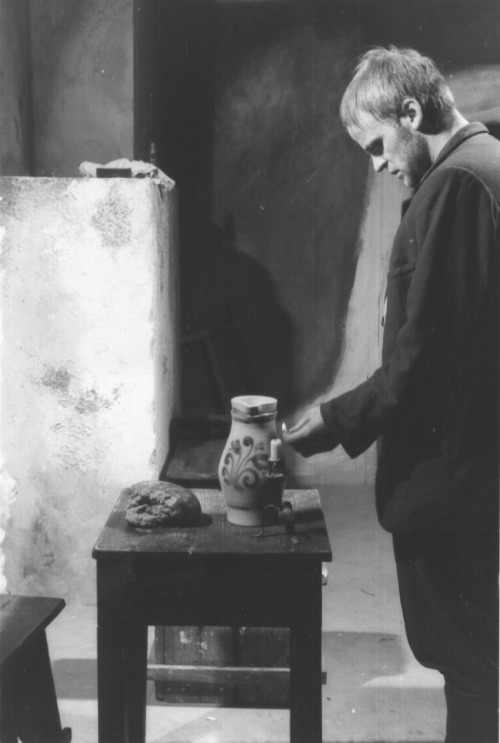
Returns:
<point x="244" y="464"/>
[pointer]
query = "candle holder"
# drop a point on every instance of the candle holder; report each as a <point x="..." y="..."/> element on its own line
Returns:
<point x="276" y="513"/>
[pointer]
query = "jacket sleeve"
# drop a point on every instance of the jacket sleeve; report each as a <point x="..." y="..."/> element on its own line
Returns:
<point x="454" y="228"/>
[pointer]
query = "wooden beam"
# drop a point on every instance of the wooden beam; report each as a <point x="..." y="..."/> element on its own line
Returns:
<point x="221" y="674"/>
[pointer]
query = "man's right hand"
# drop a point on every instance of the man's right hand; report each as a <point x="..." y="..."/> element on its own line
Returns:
<point x="310" y="435"/>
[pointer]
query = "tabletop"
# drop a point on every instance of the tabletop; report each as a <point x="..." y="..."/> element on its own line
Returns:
<point x="214" y="536"/>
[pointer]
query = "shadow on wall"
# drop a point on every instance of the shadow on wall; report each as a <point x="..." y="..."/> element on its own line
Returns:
<point x="287" y="171"/>
<point x="271" y="192"/>
<point x="234" y="302"/>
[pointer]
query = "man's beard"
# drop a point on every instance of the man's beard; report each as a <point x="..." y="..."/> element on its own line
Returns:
<point x="418" y="158"/>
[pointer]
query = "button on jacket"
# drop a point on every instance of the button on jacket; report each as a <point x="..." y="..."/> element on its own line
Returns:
<point x="433" y="403"/>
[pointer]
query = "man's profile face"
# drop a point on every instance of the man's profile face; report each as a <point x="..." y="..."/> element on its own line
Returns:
<point x="397" y="147"/>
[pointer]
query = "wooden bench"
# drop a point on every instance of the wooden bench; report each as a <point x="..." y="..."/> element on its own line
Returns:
<point x="28" y="702"/>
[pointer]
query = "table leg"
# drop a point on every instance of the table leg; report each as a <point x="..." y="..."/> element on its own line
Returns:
<point x="305" y="684"/>
<point x="121" y="676"/>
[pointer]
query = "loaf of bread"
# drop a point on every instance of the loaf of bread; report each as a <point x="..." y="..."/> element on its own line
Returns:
<point x="158" y="503"/>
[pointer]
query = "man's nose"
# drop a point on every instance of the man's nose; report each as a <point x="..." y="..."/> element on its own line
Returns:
<point x="379" y="163"/>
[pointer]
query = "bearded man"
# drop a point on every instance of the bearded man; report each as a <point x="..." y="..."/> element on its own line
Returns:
<point x="432" y="405"/>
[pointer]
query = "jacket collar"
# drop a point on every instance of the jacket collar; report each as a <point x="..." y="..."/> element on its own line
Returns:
<point x="466" y="132"/>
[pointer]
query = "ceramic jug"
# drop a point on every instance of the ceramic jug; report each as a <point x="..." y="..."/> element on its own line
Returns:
<point x="245" y="472"/>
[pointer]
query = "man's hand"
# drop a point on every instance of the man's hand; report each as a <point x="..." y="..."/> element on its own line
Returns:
<point x="310" y="435"/>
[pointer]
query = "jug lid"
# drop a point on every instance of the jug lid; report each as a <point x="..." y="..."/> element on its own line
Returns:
<point x="254" y="404"/>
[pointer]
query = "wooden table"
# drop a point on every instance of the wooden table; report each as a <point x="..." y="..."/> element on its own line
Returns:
<point x="215" y="574"/>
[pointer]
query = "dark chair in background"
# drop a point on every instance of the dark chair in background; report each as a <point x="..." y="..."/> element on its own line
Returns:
<point x="28" y="702"/>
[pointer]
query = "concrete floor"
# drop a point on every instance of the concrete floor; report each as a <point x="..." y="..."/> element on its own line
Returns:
<point x="375" y="690"/>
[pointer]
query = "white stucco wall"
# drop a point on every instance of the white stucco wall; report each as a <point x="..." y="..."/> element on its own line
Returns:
<point x="89" y="320"/>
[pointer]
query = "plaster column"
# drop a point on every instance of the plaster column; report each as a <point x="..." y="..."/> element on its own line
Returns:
<point x="89" y="365"/>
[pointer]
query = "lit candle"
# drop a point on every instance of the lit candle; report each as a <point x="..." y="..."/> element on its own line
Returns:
<point x="275" y="455"/>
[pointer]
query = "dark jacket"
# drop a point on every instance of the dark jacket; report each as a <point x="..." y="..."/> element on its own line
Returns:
<point x="433" y="403"/>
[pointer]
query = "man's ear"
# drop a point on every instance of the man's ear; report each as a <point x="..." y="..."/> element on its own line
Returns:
<point x="411" y="116"/>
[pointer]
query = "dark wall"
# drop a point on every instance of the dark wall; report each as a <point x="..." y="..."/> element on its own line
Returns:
<point x="83" y="59"/>
<point x="66" y="84"/>
<point x="16" y="125"/>
<point x="246" y="122"/>
<point x="455" y="33"/>
<point x="245" y="114"/>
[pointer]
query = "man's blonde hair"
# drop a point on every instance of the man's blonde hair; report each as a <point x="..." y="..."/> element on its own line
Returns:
<point x="385" y="77"/>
